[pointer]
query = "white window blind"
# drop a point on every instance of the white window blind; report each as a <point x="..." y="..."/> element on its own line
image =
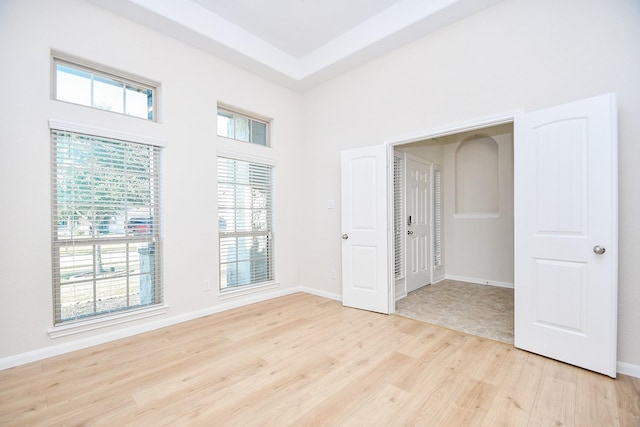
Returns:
<point x="437" y="218"/>
<point x="106" y="226"/>
<point x="245" y="223"/>
<point x="397" y="215"/>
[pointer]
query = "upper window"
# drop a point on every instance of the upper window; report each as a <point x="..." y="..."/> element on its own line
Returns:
<point x="106" y="230"/>
<point x="242" y="127"/>
<point x="82" y="85"/>
<point x="244" y="221"/>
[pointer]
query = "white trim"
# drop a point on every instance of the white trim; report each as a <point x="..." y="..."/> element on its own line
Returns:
<point x="64" y="125"/>
<point x="235" y="292"/>
<point x="235" y="155"/>
<point x="628" y="369"/>
<point x="396" y="25"/>
<point x="103" y="322"/>
<point x="403" y="289"/>
<point x="246" y="113"/>
<point x="57" y="55"/>
<point x="82" y="343"/>
<point x="438" y="279"/>
<point x="56" y="350"/>
<point x="475" y="124"/>
<point x="319" y="293"/>
<point x="479" y="281"/>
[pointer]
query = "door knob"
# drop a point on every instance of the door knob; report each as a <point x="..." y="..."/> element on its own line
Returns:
<point x="409" y="232"/>
<point x="345" y="236"/>
<point x="598" y="250"/>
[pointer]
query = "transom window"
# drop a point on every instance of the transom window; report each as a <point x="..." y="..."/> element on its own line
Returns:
<point x="106" y="228"/>
<point x="80" y="84"/>
<point x="245" y="223"/>
<point x="242" y="127"/>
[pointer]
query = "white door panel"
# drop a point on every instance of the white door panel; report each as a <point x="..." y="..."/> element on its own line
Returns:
<point x="365" y="257"/>
<point x="418" y="212"/>
<point x="565" y="205"/>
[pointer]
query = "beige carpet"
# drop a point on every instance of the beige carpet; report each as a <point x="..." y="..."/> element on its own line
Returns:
<point x="481" y="310"/>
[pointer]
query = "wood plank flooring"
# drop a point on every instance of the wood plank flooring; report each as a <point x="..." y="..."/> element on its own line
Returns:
<point x="303" y="360"/>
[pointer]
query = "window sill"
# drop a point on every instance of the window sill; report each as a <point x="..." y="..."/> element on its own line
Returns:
<point x="103" y="322"/>
<point x="245" y="290"/>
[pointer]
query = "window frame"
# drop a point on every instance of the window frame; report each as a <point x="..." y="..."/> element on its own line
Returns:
<point x="234" y="112"/>
<point x="269" y="233"/>
<point x="126" y="79"/>
<point x="61" y="326"/>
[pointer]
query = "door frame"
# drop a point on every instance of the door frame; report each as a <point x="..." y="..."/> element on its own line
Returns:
<point x="392" y="142"/>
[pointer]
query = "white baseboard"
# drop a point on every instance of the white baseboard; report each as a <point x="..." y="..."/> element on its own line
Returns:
<point x="400" y="288"/>
<point x="56" y="350"/>
<point x="319" y="293"/>
<point x="628" y="369"/>
<point x="79" y="344"/>
<point x="479" y="281"/>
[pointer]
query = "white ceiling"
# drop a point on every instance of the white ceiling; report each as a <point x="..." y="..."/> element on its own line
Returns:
<point x="297" y="43"/>
<point x="297" y="27"/>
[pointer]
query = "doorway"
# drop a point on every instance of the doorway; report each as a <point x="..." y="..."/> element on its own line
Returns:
<point x="566" y="230"/>
<point x="473" y="291"/>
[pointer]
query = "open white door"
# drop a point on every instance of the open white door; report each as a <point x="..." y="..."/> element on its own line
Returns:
<point x="565" y="161"/>
<point x="365" y="260"/>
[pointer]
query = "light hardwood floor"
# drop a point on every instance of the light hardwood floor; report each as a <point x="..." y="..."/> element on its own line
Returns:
<point x="303" y="360"/>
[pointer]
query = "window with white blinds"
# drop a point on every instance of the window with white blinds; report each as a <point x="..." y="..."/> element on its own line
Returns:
<point x="245" y="211"/>
<point x="105" y="222"/>
<point x="398" y="164"/>
<point x="437" y="218"/>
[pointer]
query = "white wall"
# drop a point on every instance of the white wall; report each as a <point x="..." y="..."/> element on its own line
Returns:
<point x="517" y="54"/>
<point x="479" y="247"/>
<point x="476" y="248"/>
<point x="430" y="150"/>
<point x="191" y="84"/>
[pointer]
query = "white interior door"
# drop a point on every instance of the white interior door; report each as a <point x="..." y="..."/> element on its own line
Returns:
<point x="365" y="254"/>
<point x="565" y="161"/>
<point x="418" y="209"/>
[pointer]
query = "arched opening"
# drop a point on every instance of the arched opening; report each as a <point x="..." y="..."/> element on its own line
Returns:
<point x="476" y="176"/>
